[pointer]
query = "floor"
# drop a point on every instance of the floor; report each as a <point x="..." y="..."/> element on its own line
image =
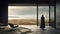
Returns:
<point x="29" y="29"/>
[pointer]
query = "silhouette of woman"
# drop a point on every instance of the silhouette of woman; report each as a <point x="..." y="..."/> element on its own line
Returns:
<point x="42" y="22"/>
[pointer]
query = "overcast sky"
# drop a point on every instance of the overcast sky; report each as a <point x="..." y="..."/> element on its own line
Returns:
<point x="24" y="12"/>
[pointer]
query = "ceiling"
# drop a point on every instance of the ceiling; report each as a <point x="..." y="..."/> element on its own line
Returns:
<point x="30" y="2"/>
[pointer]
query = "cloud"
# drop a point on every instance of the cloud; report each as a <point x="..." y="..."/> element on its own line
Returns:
<point x="27" y="11"/>
<point x="22" y="10"/>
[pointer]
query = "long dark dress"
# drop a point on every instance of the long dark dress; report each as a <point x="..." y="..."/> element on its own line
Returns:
<point x="42" y="22"/>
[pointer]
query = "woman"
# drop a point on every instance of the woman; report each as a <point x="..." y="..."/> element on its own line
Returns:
<point x="42" y="22"/>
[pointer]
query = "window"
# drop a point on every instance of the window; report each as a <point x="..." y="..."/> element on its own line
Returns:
<point x="22" y="15"/>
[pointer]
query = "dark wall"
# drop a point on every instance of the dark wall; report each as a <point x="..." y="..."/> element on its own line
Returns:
<point x="3" y="12"/>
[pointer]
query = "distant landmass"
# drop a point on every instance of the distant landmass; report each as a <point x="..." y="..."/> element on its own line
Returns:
<point x="25" y="21"/>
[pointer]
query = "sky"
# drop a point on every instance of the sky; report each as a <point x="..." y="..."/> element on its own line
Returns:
<point x="27" y="12"/>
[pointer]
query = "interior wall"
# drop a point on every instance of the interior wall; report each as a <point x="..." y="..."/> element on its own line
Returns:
<point x="3" y="13"/>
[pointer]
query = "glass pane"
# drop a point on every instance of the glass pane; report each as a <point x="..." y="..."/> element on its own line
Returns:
<point x="57" y="15"/>
<point x="43" y="10"/>
<point x="22" y="15"/>
<point x="52" y="15"/>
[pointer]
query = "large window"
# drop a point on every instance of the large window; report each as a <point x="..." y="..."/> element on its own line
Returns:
<point x="27" y="15"/>
<point x="22" y="15"/>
